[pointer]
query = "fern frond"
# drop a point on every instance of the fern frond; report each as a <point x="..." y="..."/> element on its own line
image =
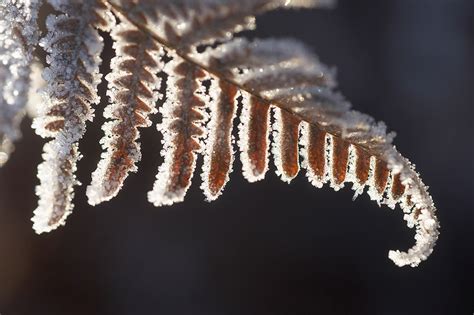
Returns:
<point x="338" y="145"/>
<point x="18" y="38"/>
<point x="133" y="82"/>
<point x="286" y="96"/>
<point x="74" y="47"/>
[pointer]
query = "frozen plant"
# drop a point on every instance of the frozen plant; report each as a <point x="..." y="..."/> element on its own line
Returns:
<point x="286" y="96"/>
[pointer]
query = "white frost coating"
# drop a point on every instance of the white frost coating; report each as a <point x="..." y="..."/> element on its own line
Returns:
<point x="100" y="188"/>
<point x="248" y="169"/>
<point x="426" y="235"/>
<point x="213" y="130"/>
<point x="18" y="37"/>
<point x="72" y="78"/>
<point x="420" y="213"/>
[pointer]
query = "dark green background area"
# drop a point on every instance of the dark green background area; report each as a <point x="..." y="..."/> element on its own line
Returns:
<point x="272" y="248"/>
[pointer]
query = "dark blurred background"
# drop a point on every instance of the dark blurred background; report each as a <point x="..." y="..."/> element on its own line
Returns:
<point x="272" y="248"/>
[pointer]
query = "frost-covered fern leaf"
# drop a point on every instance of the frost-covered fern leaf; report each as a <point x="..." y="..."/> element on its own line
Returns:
<point x="18" y="38"/>
<point x="184" y="54"/>
<point x="131" y="88"/>
<point x="73" y="46"/>
<point x="336" y="144"/>
<point x="181" y="128"/>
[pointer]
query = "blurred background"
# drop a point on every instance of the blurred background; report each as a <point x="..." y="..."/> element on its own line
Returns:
<point x="271" y="248"/>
